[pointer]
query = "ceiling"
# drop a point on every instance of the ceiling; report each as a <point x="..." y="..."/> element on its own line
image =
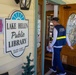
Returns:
<point x="69" y="1"/>
<point x="62" y="1"/>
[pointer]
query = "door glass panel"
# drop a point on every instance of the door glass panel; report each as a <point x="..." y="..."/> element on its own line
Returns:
<point x="71" y="29"/>
<point x="38" y="31"/>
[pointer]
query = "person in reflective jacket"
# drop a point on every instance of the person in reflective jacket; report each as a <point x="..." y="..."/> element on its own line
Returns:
<point x="59" y="40"/>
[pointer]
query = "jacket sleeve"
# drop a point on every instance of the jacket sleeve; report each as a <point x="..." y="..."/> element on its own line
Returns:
<point x="68" y="41"/>
<point x="55" y="33"/>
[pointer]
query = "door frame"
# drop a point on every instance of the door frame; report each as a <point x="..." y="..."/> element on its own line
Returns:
<point x="35" y="37"/>
<point x="43" y="35"/>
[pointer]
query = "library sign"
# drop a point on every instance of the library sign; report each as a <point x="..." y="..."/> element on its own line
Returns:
<point x="16" y="34"/>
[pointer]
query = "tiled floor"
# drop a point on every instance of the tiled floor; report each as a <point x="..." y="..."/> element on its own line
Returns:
<point x="48" y="65"/>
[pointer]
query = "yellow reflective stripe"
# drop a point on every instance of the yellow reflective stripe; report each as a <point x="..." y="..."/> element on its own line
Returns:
<point x="61" y="37"/>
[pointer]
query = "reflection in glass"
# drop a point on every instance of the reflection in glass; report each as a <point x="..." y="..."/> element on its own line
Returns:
<point x="71" y="29"/>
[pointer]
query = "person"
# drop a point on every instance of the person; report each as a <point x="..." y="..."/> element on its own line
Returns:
<point x="59" y="40"/>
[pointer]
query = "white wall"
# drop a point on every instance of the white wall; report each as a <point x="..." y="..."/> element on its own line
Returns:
<point x="49" y="7"/>
<point x="8" y="63"/>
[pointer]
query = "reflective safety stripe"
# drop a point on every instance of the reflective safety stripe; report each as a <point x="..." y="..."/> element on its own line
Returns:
<point x="61" y="37"/>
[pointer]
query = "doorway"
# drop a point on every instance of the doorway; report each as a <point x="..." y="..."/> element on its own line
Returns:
<point x="48" y="37"/>
<point x="67" y="13"/>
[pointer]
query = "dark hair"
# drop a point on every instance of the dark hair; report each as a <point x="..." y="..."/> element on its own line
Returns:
<point x="55" y="19"/>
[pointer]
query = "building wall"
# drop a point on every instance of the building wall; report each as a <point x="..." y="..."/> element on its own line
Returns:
<point x="7" y="62"/>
